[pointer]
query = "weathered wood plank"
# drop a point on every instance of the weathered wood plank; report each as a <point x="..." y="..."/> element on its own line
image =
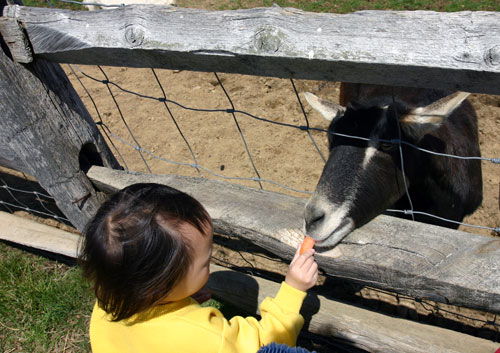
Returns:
<point x="362" y="328"/>
<point x="9" y="159"/>
<point x="16" y="40"/>
<point x="46" y="131"/>
<point x="407" y="257"/>
<point x="418" y="48"/>
<point x="39" y="236"/>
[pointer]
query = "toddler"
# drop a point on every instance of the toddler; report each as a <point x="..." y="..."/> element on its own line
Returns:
<point x="147" y="252"/>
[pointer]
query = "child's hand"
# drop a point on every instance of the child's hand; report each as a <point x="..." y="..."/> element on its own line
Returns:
<point x="303" y="271"/>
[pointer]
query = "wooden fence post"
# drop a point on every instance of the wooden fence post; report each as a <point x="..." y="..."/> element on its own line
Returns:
<point x="46" y="131"/>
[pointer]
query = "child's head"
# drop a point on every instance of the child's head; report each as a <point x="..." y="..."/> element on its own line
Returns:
<point x="143" y="246"/>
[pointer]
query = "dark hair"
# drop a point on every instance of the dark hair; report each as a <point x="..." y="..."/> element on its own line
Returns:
<point x="132" y="249"/>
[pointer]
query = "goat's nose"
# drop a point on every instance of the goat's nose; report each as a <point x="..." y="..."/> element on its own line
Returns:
<point x="314" y="216"/>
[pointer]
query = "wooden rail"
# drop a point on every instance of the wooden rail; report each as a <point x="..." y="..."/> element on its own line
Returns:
<point x="46" y="131"/>
<point x="401" y="256"/>
<point x="359" y="327"/>
<point x="418" y="48"/>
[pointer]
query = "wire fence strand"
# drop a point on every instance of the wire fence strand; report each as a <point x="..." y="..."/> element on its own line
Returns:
<point x="233" y="112"/>
<point x="433" y="308"/>
<point x="12" y="201"/>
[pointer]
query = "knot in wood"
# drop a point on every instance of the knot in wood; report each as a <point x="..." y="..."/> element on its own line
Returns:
<point x="268" y="40"/>
<point x="492" y="56"/>
<point x="134" y="36"/>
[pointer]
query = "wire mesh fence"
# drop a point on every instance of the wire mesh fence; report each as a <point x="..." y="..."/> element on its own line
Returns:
<point x="155" y="129"/>
<point x="20" y="193"/>
<point x="313" y="134"/>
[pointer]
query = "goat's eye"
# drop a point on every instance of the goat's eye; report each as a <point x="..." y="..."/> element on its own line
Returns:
<point x="386" y="146"/>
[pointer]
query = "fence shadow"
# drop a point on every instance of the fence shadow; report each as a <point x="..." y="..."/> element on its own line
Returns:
<point x="253" y="260"/>
<point x="472" y="322"/>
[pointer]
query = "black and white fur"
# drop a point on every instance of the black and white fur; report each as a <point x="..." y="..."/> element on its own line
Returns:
<point x="362" y="179"/>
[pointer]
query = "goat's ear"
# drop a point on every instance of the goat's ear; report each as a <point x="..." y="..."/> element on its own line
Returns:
<point x="328" y="109"/>
<point x="423" y="120"/>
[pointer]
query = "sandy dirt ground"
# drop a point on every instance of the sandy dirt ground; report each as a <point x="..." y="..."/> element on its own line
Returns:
<point x="280" y="154"/>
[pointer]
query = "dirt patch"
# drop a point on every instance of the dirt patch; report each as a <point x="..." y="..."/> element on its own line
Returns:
<point x="212" y="140"/>
<point x="280" y="154"/>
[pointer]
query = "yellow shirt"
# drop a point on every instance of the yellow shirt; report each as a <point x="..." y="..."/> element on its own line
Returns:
<point x="186" y="327"/>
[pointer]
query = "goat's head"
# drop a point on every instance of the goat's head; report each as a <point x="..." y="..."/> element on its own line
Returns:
<point x="364" y="175"/>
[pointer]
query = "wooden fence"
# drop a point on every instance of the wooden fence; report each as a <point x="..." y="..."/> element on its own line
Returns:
<point x="42" y="116"/>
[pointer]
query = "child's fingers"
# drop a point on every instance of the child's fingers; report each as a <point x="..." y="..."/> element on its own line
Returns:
<point x="303" y="271"/>
<point x="309" y="266"/>
<point x="310" y="263"/>
<point x="303" y="264"/>
<point x="309" y="254"/>
<point x="310" y="272"/>
<point x="302" y="258"/>
<point x="313" y="268"/>
<point x="296" y="255"/>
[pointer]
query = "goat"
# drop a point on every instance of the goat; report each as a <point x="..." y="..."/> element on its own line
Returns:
<point x="365" y="176"/>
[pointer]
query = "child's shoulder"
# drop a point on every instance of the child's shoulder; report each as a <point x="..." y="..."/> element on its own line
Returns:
<point x="194" y="311"/>
<point x="193" y="317"/>
<point x="187" y="309"/>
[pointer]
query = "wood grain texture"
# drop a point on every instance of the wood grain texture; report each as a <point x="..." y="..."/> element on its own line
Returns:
<point x="411" y="258"/>
<point x="359" y="327"/>
<point x="362" y="328"/>
<point x="43" y="129"/>
<point x="20" y="230"/>
<point x="15" y="38"/>
<point x="417" y="48"/>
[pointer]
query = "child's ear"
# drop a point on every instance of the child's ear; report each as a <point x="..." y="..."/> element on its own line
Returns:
<point x="423" y="120"/>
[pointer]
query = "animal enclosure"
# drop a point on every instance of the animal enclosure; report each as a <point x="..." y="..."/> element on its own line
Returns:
<point x="224" y="133"/>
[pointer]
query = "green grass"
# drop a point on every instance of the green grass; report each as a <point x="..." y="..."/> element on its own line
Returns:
<point x="55" y="3"/>
<point x="44" y="305"/>
<point x="335" y="6"/>
<point x="345" y="6"/>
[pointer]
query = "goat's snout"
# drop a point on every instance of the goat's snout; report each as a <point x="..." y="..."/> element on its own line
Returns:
<point x="314" y="217"/>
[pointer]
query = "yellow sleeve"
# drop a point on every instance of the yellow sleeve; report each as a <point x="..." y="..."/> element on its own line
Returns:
<point x="280" y="322"/>
<point x="187" y="327"/>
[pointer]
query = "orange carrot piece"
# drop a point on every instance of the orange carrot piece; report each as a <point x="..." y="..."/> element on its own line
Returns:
<point x="307" y="244"/>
